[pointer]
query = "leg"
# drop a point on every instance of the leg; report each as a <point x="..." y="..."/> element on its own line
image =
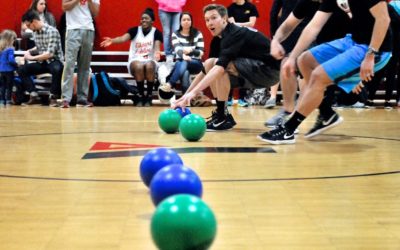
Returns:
<point x="271" y="102"/>
<point x="137" y="70"/>
<point x="9" y="76"/>
<point x="166" y="20"/>
<point x="55" y="68"/>
<point x="72" y="46"/>
<point x="85" y="56"/>
<point x="179" y="69"/>
<point x="150" y="75"/>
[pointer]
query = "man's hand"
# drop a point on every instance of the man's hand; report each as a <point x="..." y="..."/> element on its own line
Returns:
<point x="186" y="58"/>
<point x="367" y="68"/>
<point x="277" y="50"/>
<point x="358" y="88"/>
<point x="289" y="67"/>
<point x="184" y="101"/>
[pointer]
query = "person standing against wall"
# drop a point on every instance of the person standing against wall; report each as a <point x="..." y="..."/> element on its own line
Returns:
<point x="169" y="12"/>
<point x="244" y="14"/>
<point x="79" y="39"/>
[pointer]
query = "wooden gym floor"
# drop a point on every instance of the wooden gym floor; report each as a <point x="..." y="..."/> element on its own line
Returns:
<point x="69" y="179"/>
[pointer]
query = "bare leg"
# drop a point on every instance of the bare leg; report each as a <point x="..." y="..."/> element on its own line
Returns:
<point x="314" y="92"/>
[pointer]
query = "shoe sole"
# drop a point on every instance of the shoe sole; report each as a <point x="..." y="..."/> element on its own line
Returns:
<point x="293" y="141"/>
<point x="218" y="130"/>
<point x="340" y="120"/>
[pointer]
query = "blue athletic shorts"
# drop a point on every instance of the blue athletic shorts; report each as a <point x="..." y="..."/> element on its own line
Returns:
<point x="342" y="58"/>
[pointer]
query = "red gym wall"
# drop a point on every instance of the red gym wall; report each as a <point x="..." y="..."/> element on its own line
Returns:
<point x="116" y="16"/>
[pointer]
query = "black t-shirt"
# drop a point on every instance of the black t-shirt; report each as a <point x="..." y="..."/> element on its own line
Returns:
<point x="215" y="47"/>
<point x="242" y="42"/>
<point x="242" y="13"/>
<point x="157" y="34"/>
<point x="362" y="21"/>
<point x="337" y="26"/>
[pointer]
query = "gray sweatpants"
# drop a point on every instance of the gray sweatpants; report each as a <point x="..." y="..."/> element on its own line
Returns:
<point x="77" y="41"/>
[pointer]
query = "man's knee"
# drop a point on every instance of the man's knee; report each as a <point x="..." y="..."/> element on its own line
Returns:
<point x="319" y="80"/>
<point x="306" y="60"/>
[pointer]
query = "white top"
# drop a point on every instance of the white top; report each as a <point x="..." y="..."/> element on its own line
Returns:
<point x="142" y="47"/>
<point x="80" y="17"/>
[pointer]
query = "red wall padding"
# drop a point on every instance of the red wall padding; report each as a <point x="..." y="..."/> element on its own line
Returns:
<point x="116" y="16"/>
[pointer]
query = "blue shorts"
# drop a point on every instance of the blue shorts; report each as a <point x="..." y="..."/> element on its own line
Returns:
<point x="341" y="59"/>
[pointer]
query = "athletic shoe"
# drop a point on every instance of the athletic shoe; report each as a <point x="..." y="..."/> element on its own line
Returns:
<point x="84" y="104"/>
<point x="242" y="103"/>
<point x="358" y="105"/>
<point x="321" y="125"/>
<point x="148" y="101"/>
<point x="387" y="105"/>
<point x="270" y="103"/>
<point x="280" y="135"/>
<point x="230" y="102"/>
<point x="53" y="102"/>
<point x="65" y="104"/>
<point x="220" y="123"/>
<point x="277" y="119"/>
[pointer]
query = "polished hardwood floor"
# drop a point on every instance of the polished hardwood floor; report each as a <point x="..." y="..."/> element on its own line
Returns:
<point x="64" y="183"/>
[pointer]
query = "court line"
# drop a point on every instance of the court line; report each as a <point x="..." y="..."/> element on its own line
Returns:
<point x="209" y="181"/>
<point x="243" y="130"/>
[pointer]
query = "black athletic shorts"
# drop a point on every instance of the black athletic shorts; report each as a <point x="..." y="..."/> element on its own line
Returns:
<point x="254" y="74"/>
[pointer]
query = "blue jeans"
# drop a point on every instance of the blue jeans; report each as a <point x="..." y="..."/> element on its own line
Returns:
<point x="170" y="23"/>
<point x="182" y="71"/>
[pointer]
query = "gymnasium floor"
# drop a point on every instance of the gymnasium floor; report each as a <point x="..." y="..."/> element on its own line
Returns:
<point x="69" y="179"/>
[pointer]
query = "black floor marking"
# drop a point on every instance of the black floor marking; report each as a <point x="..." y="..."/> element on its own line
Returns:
<point x="187" y="150"/>
<point x="210" y="181"/>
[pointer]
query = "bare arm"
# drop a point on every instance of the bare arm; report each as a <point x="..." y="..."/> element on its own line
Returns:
<point x="157" y="53"/>
<point x="120" y="39"/>
<point x="69" y="4"/>
<point x="310" y="33"/>
<point x="94" y="8"/>
<point x="284" y="30"/>
<point x="382" y="21"/>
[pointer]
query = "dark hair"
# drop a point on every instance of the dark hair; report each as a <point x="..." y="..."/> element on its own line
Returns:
<point x="150" y="13"/>
<point x="192" y="31"/>
<point x="222" y="11"/>
<point x="34" y="5"/>
<point x="30" y="15"/>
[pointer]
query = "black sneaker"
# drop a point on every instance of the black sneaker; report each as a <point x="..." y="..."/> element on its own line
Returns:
<point x="220" y="124"/>
<point x="321" y="125"/>
<point x="280" y="135"/>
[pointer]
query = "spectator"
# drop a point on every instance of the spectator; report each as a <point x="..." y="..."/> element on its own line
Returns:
<point x="188" y="45"/>
<point x="144" y="53"/>
<point x="47" y="55"/>
<point x="169" y="12"/>
<point x="244" y="14"/>
<point x="79" y="39"/>
<point x="7" y="65"/>
<point x="40" y="6"/>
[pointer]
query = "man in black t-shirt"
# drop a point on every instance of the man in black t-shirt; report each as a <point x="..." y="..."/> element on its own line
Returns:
<point x="336" y="27"/>
<point x="343" y="61"/>
<point x="244" y="61"/>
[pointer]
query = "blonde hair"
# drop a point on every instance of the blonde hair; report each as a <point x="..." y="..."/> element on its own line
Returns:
<point x="7" y="38"/>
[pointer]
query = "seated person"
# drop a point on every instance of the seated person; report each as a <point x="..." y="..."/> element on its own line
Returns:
<point x="144" y="53"/>
<point x="47" y="57"/>
<point x="188" y="45"/>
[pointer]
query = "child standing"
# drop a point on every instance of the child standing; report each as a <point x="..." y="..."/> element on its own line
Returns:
<point x="7" y="65"/>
